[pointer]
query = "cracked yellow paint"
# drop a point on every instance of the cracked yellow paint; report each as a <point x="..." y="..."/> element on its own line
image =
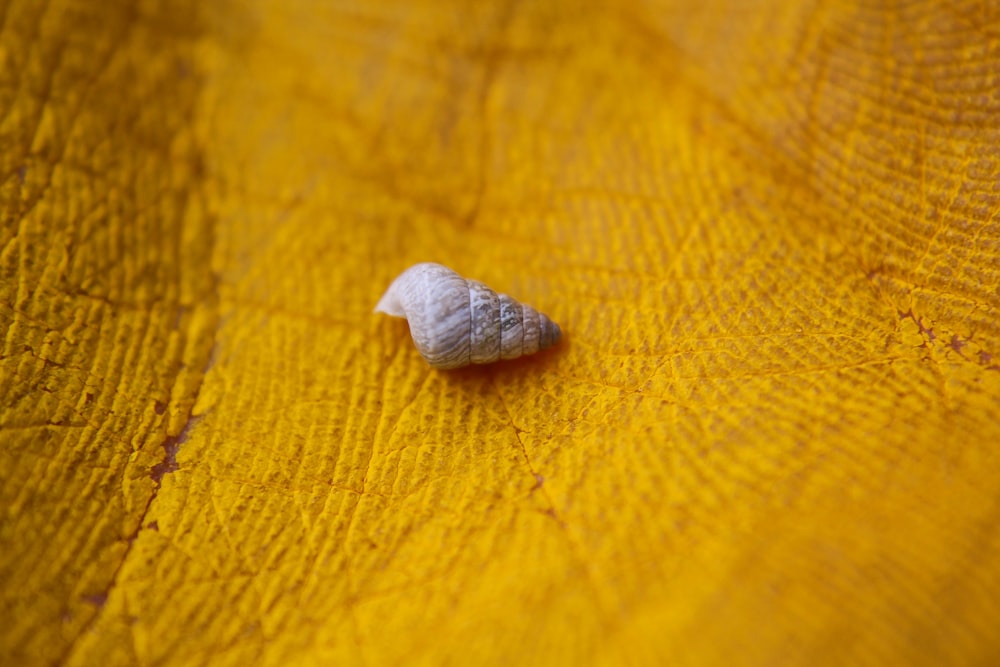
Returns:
<point x="771" y="232"/>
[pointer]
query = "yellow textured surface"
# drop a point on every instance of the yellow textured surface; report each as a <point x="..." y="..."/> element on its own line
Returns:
<point x="771" y="231"/>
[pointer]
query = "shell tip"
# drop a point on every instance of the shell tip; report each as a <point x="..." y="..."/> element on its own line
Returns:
<point x="550" y="333"/>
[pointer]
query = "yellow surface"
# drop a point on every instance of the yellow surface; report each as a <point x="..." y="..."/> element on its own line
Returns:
<point x="771" y="231"/>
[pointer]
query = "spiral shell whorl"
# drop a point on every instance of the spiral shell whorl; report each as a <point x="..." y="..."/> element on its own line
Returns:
<point x="455" y="322"/>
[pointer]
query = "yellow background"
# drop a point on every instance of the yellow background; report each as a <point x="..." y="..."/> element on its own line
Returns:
<point x="770" y="230"/>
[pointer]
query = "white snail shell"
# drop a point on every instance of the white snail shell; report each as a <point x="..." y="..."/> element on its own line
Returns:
<point x="456" y="322"/>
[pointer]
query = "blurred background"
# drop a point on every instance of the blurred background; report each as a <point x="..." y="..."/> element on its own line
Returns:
<point x="769" y="231"/>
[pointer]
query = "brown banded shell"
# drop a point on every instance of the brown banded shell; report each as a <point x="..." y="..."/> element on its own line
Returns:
<point x="456" y="322"/>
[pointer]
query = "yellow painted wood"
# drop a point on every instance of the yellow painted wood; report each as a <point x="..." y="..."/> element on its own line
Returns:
<point x="770" y="231"/>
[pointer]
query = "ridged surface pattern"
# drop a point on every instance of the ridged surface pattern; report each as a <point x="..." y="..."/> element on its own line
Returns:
<point x="771" y="231"/>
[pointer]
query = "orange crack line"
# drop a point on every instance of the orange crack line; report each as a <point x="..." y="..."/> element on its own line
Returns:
<point x="575" y="548"/>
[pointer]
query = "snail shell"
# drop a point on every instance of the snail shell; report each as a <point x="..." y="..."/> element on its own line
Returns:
<point x="456" y="322"/>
